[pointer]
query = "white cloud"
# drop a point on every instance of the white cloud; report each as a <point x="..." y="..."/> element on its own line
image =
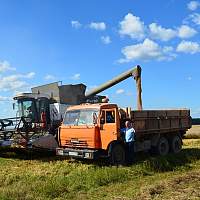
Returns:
<point x="49" y="77"/>
<point x="195" y="18"/>
<point x="2" y="98"/>
<point x="188" y="47"/>
<point x="15" y="82"/>
<point x="147" y="50"/>
<point x="6" y="85"/>
<point x="18" y="76"/>
<point x="186" y="32"/>
<point x="158" y="32"/>
<point x="193" y="5"/>
<point x="76" y="24"/>
<point x="132" y="26"/>
<point x="5" y="66"/>
<point x="29" y="75"/>
<point x="106" y="39"/>
<point x="97" y="26"/>
<point x="120" y="91"/>
<point x="75" y="77"/>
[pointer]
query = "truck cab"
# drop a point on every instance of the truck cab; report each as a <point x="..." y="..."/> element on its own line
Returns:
<point x="89" y="130"/>
<point x="93" y="130"/>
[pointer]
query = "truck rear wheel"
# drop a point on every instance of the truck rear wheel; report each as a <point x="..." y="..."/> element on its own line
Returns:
<point x="162" y="147"/>
<point x="175" y="144"/>
<point x="117" y="155"/>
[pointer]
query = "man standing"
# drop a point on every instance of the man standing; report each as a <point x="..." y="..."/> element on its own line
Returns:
<point x="129" y="134"/>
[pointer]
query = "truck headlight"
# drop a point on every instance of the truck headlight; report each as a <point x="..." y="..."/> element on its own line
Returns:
<point x="87" y="155"/>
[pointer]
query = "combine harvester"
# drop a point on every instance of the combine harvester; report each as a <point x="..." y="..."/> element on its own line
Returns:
<point x="40" y="113"/>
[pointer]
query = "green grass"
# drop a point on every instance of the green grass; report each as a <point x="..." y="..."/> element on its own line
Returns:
<point x="27" y="175"/>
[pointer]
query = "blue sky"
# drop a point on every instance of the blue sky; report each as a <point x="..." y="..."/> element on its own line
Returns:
<point x="92" y="41"/>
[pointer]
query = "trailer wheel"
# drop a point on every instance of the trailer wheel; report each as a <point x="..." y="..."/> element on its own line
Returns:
<point x="117" y="154"/>
<point x="175" y="144"/>
<point x="162" y="147"/>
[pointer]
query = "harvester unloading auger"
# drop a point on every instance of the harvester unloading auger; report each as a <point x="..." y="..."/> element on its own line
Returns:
<point x="134" y="72"/>
<point x="41" y="112"/>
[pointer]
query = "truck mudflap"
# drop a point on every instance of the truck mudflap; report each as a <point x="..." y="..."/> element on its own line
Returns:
<point x="78" y="153"/>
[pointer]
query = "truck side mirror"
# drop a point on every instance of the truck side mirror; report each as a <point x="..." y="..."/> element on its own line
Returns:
<point x="102" y="120"/>
<point x="94" y="118"/>
<point x="13" y="106"/>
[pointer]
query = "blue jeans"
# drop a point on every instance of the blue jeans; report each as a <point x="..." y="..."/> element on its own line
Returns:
<point x="129" y="152"/>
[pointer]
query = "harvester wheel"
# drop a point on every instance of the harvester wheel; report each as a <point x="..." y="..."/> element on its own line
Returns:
<point x="175" y="144"/>
<point x="162" y="147"/>
<point x="117" y="154"/>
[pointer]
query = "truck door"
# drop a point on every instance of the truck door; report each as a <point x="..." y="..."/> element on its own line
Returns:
<point x="108" y="127"/>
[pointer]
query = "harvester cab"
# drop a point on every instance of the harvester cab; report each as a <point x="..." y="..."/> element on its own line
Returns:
<point x="33" y="107"/>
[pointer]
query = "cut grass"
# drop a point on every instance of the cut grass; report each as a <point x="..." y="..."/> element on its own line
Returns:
<point x="28" y="175"/>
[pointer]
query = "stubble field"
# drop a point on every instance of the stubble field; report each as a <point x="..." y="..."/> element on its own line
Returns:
<point x="28" y="175"/>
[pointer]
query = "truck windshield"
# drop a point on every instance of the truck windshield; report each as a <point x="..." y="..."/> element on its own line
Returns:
<point x="81" y="117"/>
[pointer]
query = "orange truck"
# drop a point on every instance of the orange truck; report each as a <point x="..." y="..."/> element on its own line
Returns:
<point x="91" y="131"/>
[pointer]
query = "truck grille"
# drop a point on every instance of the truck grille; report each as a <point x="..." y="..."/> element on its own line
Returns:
<point x="76" y="143"/>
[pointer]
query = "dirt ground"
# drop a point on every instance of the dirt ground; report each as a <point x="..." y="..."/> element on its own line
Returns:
<point x="181" y="187"/>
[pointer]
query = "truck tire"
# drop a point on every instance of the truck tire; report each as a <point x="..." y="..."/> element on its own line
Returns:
<point x="162" y="147"/>
<point x="175" y="144"/>
<point x="117" y="154"/>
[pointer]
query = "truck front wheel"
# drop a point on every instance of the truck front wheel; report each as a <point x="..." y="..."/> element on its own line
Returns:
<point x="176" y="144"/>
<point x="162" y="147"/>
<point x="117" y="154"/>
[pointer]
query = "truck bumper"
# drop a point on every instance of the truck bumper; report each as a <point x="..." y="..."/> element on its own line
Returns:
<point x="78" y="153"/>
